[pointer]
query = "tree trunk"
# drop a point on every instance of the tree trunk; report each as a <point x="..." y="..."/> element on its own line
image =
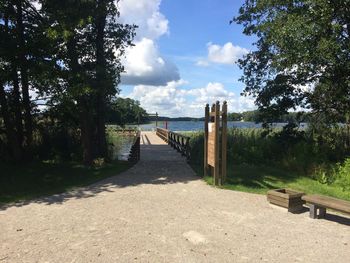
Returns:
<point x="101" y="80"/>
<point x="23" y="64"/>
<point x="85" y="116"/>
<point x="12" y="140"/>
<point x="87" y="138"/>
<point x="17" y="108"/>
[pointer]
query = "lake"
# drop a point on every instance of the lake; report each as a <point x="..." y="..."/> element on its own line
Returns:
<point x="199" y="125"/>
<point x="123" y="144"/>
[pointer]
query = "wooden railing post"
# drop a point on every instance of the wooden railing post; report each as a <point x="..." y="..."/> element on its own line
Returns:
<point x="178" y="141"/>
<point x="134" y="155"/>
<point x="224" y="143"/>
<point x="206" y="122"/>
<point x="217" y="146"/>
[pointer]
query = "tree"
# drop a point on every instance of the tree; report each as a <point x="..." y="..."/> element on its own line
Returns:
<point x="302" y="56"/>
<point x="90" y="42"/>
<point x="23" y="50"/>
<point x="67" y="52"/>
<point x="126" y="111"/>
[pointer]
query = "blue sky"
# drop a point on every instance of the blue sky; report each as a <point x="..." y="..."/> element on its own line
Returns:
<point x="184" y="55"/>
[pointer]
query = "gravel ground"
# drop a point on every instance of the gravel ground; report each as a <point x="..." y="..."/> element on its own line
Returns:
<point x="159" y="211"/>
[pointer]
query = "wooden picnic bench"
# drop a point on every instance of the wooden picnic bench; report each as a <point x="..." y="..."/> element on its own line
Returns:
<point x="321" y="203"/>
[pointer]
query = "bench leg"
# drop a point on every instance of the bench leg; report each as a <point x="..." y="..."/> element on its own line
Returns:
<point x="322" y="212"/>
<point x="313" y="211"/>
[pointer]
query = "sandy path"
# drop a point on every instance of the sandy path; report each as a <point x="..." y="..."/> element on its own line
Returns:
<point x="159" y="211"/>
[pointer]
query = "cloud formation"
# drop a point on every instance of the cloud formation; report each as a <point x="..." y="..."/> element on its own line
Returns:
<point x="144" y="65"/>
<point x="227" y="54"/>
<point x="174" y="100"/>
<point x="145" y="14"/>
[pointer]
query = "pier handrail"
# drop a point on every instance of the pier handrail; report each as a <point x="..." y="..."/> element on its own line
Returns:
<point x="179" y="142"/>
<point x="163" y="134"/>
<point x="134" y="155"/>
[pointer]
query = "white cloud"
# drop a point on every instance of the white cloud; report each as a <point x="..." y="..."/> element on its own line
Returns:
<point x="175" y="100"/>
<point x="226" y="54"/>
<point x="144" y="65"/>
<point x="217" y="92"/>
<point x="202" y="63"/>
<point x="146" y="15"/>
<point x="166" y="100"/>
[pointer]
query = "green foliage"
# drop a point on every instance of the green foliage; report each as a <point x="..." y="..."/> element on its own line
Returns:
<point x="68" y="53"/>
<point x="344" y="175"/>
<point x="299" y="152"/>
<point x="125" y="111"/>
<point x="259" y="179"/>
<point x="302" y="56"/>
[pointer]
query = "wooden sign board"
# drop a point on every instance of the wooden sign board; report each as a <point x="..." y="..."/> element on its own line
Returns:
<point x="211" y="144"/>
<point x="215" y="142"/>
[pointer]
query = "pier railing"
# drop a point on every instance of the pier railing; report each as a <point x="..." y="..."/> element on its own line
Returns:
<point x="163" y="134"/>
<point x="179" y="142"/>
<point x="134" y="155"/>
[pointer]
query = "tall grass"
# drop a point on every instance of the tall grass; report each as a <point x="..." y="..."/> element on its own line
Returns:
<point x="307" y="153"/>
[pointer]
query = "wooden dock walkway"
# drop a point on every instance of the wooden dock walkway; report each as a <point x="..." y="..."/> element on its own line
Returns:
<point x="160" y="211"/>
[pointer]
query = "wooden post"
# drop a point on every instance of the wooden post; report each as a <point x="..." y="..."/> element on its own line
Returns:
<point x="212" y="119"/>
<point x="206" y="122"/>
<point x="224" y="143"/>
<point x="217" y="144"/>
<point x="156" y="119"/>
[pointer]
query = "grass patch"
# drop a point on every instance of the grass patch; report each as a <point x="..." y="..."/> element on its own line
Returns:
<point x="28" y="181"/>
<point x="260" y="179"/>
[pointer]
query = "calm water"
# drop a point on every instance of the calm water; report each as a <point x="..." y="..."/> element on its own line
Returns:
<point x="123" y="144"/>
<point x="121" y="147"/>
<point x="199" y="125"/>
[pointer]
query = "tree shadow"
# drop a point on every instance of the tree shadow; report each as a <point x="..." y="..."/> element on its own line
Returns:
<point x="159" y="165"/>
<point x="259" y="177"/>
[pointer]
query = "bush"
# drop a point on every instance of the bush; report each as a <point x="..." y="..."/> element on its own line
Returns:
<point x="301" y="152"/>
<point x="344" y="175"/>
<point x="57" y="142"/>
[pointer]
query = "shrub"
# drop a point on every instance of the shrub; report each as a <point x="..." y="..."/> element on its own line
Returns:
<point x="302" y="152"/>
<point x="344" y="175"/>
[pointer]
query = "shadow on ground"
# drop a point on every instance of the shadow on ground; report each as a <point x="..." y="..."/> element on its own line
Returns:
<point x="159" y="165"/>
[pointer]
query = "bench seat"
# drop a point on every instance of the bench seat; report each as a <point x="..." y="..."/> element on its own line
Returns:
<point x="321" y="203"/>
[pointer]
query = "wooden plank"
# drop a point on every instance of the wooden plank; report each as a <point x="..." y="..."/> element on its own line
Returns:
<point x="328" y="202"/>
<point x="217" y="144"/>
<point x="212" y="114"/>
<point x="224" y="143"/>
<point x="288" y="201"/>
<point x="290" y="194"/>
<point x="211" y="145"/>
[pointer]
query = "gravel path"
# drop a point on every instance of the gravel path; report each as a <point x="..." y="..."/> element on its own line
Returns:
<point x="159" y="211"/>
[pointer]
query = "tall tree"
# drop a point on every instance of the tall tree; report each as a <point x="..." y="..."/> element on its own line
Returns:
<point x="21" y="50"/>
<point x="90" y="42"/>
<point x="302" y="56"/>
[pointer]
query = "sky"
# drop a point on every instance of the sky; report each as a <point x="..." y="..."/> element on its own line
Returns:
<point x="184" y="56"/>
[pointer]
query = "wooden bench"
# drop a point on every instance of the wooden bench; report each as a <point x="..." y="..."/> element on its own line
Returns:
<point x="321" y="203"/>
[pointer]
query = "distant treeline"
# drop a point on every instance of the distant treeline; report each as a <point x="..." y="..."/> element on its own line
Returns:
<point x="126" y="111"/>
<point x="256" y="116"/>
<point x="253" y="116"/>
<point x="162" y="118"/>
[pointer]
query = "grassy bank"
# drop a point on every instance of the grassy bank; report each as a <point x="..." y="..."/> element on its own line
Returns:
<point x="260" y="179"/>
<point x="27" y="181"/>
<point x="257" y="163"/>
